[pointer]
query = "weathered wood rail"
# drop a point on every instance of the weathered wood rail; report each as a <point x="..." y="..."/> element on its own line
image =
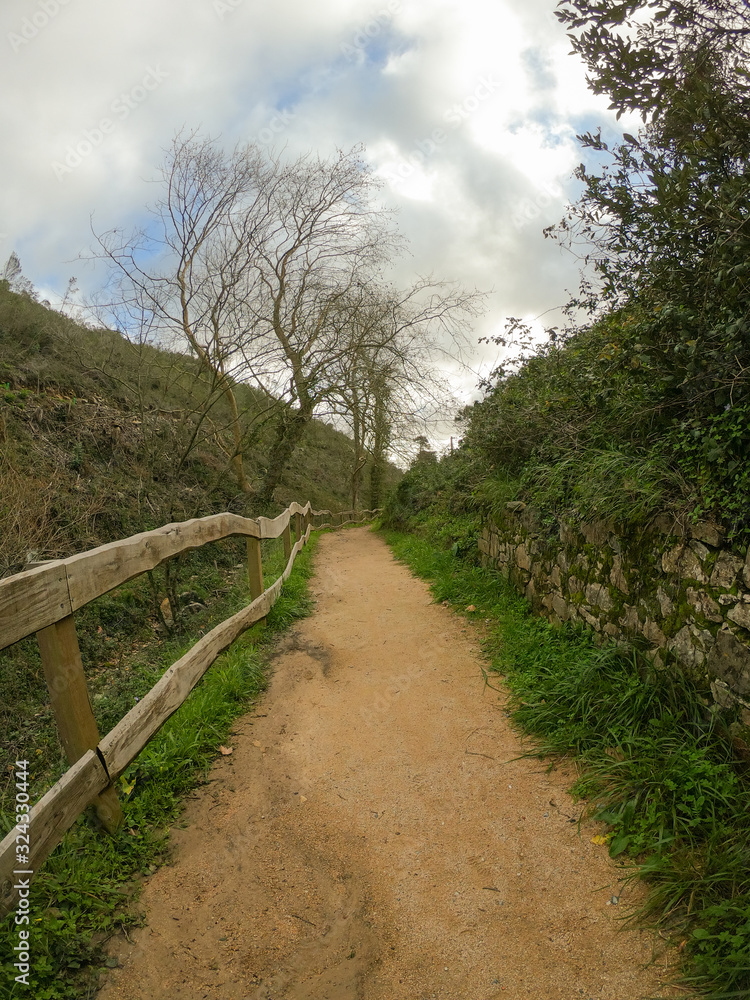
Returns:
<point x="43" y="600"/>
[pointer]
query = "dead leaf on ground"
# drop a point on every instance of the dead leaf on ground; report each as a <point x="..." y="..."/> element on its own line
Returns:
<point x="225" y="751"/>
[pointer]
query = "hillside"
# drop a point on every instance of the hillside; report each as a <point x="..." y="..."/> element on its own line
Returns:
<point x="101" y="438"/>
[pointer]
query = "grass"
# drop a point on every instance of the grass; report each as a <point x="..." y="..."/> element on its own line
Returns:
<point x="655" y="764"/>
<point x="87" y="889"/>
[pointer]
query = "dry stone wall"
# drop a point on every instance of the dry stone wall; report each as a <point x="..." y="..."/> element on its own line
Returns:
<point x="686" y="595"/>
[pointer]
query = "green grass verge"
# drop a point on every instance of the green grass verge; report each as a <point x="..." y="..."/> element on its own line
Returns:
<point x="88" y="886"/>
<point x="655" y="764"/>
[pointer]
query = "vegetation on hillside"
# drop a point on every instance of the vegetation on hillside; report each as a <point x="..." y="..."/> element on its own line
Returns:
<point x="101" y="438"/>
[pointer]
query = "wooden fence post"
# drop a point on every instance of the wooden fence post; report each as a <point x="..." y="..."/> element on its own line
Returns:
<point x="298" y="526"/>
<point x="254" y="568"/>
<point x="63" y="670"/>
<point x="287" y="536"/>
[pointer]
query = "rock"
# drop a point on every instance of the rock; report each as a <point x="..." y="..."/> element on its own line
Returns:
<point x="670" y="560"/>
<point x="598" y="595"/>
<point x="740" y="614"/>
<point x="522" y="557"/>
<point x="706" y="532"/>
<point x="683" y="562"/>
<point x="722" y="694"/>
<point x="665" y="603"/>
<point x="630" y="619"/>
<point x="700" y="549"/>
<point x="725" y="571"/>
<point x="665" y="525"/>
<point x="563" y="562"/>
<point x="555" y="577"/>
<point x="704" y="604"/>
<point x="515" y="506"/>
<point x="530" y="591"/>
<point x="729" y="660"/>
<point x="653" y="633"/>
<point x="567" y="533"/>
<point x="560" y="607"/>
<point x="746" y="569"/>
<point x="617" y="576"/>
<point x="590" y="619"/>
<point x="595" y="533"/>
<point x="690" y="645"/>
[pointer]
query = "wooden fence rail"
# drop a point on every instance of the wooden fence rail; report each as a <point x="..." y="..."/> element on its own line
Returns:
<point x="44" y="600"/>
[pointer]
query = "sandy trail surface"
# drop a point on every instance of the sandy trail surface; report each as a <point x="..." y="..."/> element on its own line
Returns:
<point x="370" y="836"/>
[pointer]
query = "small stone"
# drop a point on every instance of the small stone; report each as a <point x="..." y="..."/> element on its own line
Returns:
<point x="689" y="645"/>
<point x="707" y="532"/>
<point x="722" y="694"/>
<point x="595" y="533"/>
<point x="523" y="559"/>
<point x="598" y="595"/>
<point x="590" y="619"/>
<point x="729" y="660"/>
<point x="740" y="614"/>
<point x="617" y="575"/>
<point x="560" y="607"/>
<point x="699" y="548"/>
<point x="630" y="619"/>
<point x="653" y="633"/>
<point x="683" y="562"/>
<point x="704" y="604"/>
<point x="725" y="571"/>
<point x="665" y="603"/>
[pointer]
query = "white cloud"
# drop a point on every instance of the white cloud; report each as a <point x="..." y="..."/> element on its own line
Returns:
<point x="468" y="109"/>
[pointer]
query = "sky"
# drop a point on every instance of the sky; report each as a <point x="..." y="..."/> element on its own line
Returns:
<point x="467" y="111"/>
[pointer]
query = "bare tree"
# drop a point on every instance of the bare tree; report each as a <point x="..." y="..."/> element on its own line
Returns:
<point x="327" y="242"/>
<point x="390" y="381"/>
<point x="190" y="272"/>
<point x="271" y="272"/>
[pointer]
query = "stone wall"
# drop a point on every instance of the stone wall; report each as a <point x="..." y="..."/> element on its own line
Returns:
<point x="686" y="594"/>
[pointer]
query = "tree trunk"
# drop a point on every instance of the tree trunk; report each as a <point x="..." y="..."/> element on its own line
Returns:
<point x="289" y="432"/>
<point x="237" y="458"/>
<point x="381" y="439"/>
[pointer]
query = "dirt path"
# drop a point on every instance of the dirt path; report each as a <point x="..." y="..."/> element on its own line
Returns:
<point x="367" y="840"/>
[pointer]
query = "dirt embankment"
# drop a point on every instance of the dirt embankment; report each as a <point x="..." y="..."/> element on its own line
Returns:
<point x="372" y="838"/>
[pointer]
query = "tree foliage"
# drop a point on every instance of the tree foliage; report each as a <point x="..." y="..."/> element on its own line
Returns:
<point x="642" y="404"/>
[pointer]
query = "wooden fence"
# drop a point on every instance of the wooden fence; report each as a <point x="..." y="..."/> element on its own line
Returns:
<point x="43" y="600"/>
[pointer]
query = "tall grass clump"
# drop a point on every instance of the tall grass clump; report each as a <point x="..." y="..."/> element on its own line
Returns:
<point x="656" y="764"/>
